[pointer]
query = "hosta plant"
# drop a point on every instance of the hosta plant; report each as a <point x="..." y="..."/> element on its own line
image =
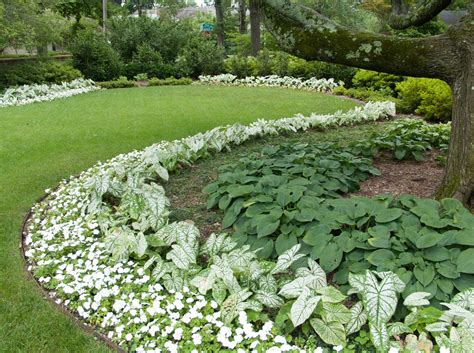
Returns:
<point x="270" y="198"/>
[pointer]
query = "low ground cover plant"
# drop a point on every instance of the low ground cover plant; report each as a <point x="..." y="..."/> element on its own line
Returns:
<point x="104" y="243"/>
<point x="41" y="93"/>
<point x="311" y="84"/>
<point x="408" y="139"/>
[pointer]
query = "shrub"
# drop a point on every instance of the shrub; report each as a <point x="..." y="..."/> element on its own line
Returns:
<point x="145" y="60"/>
<point x="365" y="95"/>
<point x="240" y="66"/>
<point x="200" y="56"/>
<point x="426" y="96"/>
<point x="37" y="72"/>
<point x="94" y="57"/>
<point x="121" y="82"/>
<point x="170" y="81"/>
<point x="263" y="63"/>
<point x="280" y="64"/>
<point x="376" y="81"/>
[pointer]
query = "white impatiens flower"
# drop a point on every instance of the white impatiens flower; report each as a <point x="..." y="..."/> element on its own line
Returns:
<point x="338" y="348"/>
<point x="197" y="339"/>
<point x="393" y="350"/>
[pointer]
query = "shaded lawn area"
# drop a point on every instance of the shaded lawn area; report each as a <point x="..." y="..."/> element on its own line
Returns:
<point x="40" y="144"/>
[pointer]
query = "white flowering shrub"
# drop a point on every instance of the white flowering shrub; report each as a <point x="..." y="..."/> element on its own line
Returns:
<point x="28" y="94"/>
<point x="103" y="245"/>
<point x="312" y="84"/>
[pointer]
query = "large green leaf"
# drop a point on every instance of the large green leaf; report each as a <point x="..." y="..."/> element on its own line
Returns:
<point x="465" y="261"/>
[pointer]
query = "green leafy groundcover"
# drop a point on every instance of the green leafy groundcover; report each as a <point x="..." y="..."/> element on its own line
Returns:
<point x="102" y="242"/>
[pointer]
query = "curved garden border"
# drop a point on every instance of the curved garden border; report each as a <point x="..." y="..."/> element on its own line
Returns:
<point x="196" y="147"/>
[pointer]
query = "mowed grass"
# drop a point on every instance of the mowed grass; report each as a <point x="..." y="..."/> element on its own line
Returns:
<point x="40" y="144"/>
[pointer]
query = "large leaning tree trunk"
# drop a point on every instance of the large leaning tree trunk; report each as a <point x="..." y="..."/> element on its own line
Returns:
<point x="305" y="33"/>
<point x="219" y="22"/>
<point x="254" y="9"/>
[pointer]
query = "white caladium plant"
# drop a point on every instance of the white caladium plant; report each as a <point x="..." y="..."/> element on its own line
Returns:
<point x="28" y="94"/>
<point x="312" y="84"/>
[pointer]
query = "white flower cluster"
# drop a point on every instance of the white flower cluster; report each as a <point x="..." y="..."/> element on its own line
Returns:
<point x="67" y="253"/>
<point x="312" y="84"/>
<point x="42" y="92"/>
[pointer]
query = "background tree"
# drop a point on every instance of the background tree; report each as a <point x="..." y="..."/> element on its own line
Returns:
<point x="255" y="35"/>
<point x="242" y="16"/>
<point x="220" y="31"/>
<point x="310" y="35"/>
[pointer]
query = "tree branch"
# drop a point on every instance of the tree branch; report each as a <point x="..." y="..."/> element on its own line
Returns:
<point x="307" y="34"/>
<point x="424" y="13"/>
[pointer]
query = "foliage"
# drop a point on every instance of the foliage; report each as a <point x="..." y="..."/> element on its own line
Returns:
<point x="407" y="139"/>
<point x="145" y="60"/>
<point x="376" y="81"/>
<point x="200" y="57"/>
<point x="41" y="93"/>
<point x="429" y="97"/>
<point x="170" y="81"/>
<point x="269" y="198"/>
<point x="120" y="197"/>
<point x="93" y="56"/>
<point x="312" y="84"/>
<point x="37" y="71"/>
<point x="121" y="82"/>
<point x="26" y="24"/>
<point x="367" y="95"/>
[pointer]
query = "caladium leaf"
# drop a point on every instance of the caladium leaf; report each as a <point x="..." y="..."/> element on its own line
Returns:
<point x="313" y="270"/>
<point x="465" y="299"/>
<point x="303" y="307"/>
<point x="398" y="328"/>
<point x="294" y="288"/>
<point x="330" y="295"/>
<point x="268" y="284"/>
<point x="219" y="291"/>
<point x="217" y="244"/>
<point x="332" y="332"/>
<point x="380" y="337"/>
<point x="336" y="312"/>
<point x="182" y="256"/>
<point x="142" y="245"/>
<point x="269" y="299"/>
<point x="204" y="281"/>
<point x="358" y="318"/>
<point x="417" y="299"/>
<point x="121" y="243"/>
<point x="379" y="298"/>
<point x="286" y="259"/>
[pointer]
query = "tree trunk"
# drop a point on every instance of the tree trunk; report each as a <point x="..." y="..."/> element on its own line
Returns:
<point x="219" y="22"/>
<point x="255" y="26"/>
<point x="242" y="16"/>
<point x="458" y="179"/>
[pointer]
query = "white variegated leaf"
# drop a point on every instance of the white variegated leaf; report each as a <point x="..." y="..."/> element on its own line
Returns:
<point x="465" y="299"/>
<point x="380" y="337"/>
<point x="142" y="245"/>
<point x="357" y="281"/>
<point x="303" y="307"/>
<point x="286" y="259"/>
<point x="332" y="332"/>
<point x="417" y="299"/>
<point x="438" y="327"/>
<point x="380" y="299"/>
<point x="269" y="299"/>
<point x="204" y="281"/>
<point x="358" y="318"/>
<point x="162" y="172"/>
<point x="330" y="295"/>
<point x="173" y="281"/>
<point x="219" y="291"/>
<point x="294" y="288"/>
<point x="336" y="312"/>
<point x="160" y="269"/>
<point x="121" y="243"/>
<point x="182" y="256"/>
<point x="268" y="284"/>
<point x="398" y="328"/>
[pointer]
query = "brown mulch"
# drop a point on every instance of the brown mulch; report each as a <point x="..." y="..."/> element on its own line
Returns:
<point x="403" y="177"/>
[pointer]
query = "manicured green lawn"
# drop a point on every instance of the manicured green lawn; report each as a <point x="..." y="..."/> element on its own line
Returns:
<point x="41" y="144"/>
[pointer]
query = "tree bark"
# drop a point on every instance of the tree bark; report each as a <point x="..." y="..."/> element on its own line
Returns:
<point x="458" y="179"/>
<point x="255" y="26"/>
<point x="401" y="18"/>
<point x="219" y="22"/>
<point x="307" y="34"/>
<point x="242" y="16"/>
